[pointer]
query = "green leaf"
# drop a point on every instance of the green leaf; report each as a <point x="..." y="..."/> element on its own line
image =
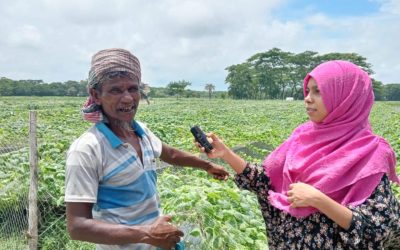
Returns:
<point x="195" y="232"/>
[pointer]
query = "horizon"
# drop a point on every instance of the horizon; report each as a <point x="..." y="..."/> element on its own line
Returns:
<point x="195" y="41"/>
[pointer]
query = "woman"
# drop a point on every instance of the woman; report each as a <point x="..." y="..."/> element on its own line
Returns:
<point x="327" y="186"/>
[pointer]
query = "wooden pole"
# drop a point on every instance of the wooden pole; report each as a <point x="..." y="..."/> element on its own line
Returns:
<point x="33" y="186"/>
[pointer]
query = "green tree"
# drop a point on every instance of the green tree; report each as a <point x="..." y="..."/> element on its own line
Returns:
<point x="378" y="89"/>
<point x="352" y="57"/>
<point x="6" y="87"/>
<point x="29" y="87"/>
<point x="71" y="88"/>
<point x="240" y="80"/>
<point x="210" y="88"/>
<point x="157" y="92"/>
<point x="391" y="92"/>
<point x="272" y="69"/>
<point x="192" y="94"/>
<point x="72" y="91"/>
<point x="300" y="65"/>
<point x="177" y="88"/>
<point x="82" y="88"/>
<point x="276" y="74"/>
<point x="56" y="88"/>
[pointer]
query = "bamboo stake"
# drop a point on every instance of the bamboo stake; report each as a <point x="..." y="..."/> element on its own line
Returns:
<point x="33" y="187"/>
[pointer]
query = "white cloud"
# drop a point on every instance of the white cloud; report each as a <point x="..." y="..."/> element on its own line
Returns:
<point x="391" y="6"/>
<point x="25" y="36"/>
<point x="374" y="37"/>
<point x="193" y="40"/>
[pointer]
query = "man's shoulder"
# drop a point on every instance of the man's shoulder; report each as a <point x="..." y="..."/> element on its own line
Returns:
<point x="142" y="124"/>
<point x="89" y="139"/>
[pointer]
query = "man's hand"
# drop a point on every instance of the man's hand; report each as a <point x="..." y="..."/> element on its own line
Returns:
<point x="303" y="195"/>
<point x="163" y="234"/>
<point x="218" y="172"/>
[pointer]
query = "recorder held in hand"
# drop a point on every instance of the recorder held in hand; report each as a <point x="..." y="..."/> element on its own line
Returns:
<point x="201" y="138"/>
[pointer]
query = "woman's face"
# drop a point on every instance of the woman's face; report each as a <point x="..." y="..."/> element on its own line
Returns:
<point x="315" y="106"/>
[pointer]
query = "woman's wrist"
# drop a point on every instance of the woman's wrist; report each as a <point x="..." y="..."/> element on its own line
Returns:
<point x="318" y="200"/>
<point x="237" y="163"/>
<point x="340" y="214"/>
<point x="227" y="154"/>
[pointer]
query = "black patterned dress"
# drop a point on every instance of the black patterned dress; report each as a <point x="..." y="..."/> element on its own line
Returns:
<point x="375" y="223"/>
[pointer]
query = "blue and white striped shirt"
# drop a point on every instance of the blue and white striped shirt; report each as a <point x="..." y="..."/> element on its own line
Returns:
<point x="103" y="170"/>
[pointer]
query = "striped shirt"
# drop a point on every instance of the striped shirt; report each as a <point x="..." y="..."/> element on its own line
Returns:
<point x="103" y="170"/>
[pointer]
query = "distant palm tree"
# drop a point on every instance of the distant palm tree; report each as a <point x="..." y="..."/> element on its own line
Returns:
<point x="210" y="88"/>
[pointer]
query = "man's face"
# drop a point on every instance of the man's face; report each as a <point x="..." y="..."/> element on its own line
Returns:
<point x="119" y="98"/>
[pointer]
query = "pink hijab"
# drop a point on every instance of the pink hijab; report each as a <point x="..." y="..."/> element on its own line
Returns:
<point x="339" y="156"/>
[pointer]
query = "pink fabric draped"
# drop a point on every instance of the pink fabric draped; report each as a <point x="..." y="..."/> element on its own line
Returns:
<point x="339" y="156"/>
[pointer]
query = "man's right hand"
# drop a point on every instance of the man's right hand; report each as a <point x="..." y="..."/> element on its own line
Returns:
<point x="163" y="234"/>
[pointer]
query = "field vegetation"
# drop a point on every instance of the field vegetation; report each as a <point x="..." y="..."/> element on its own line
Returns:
<point x="214" y="214"/>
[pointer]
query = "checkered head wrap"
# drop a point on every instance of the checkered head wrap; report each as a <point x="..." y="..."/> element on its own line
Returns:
<point x="105" y="63"/>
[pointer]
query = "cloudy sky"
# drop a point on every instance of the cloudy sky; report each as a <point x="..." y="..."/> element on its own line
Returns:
<point x="53" y="40"/>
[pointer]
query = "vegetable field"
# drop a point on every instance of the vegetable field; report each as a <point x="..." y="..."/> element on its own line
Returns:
<point x="214" y="214"/>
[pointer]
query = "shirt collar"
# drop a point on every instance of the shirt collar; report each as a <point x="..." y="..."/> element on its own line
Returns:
<point x="112" y="138"/>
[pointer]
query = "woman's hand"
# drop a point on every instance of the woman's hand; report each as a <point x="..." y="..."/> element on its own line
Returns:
<point x="303" y="195"/>
<point x="219" y="148"/>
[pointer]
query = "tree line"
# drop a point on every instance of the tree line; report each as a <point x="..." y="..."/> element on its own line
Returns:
<point x="9" y="87"/>
<point x="274" y="74"/>
<point x="178" y="89"/>
<point x="277" y="74"/>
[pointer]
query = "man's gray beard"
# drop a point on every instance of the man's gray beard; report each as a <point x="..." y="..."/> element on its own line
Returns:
<point x="123" y="125"/>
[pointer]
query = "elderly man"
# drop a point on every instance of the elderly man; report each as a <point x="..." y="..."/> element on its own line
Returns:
<point x="111" y="192"/>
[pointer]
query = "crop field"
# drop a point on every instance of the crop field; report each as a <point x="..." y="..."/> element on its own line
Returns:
<point x="213" y="214"/>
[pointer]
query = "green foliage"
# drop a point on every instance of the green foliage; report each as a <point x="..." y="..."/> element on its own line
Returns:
<point x="13" y="242"/>
<point x="392" y="92"/>
<point x="352" y="57"/>
<point x="241" y="82"/>
<point x="209" y="88"/>
<point x="214" y="214"/>
<point x="14" y="166"/>
<point x="378" y="90"/>
<point x="177" y="88"/>
<point x="276" y="74"/>
<point x="10" y="87"/>
<point x="161" y="92"/>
